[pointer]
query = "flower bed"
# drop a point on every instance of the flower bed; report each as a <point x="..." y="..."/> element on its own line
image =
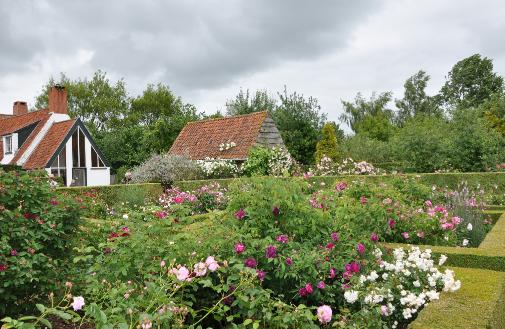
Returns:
<point x="273" y="258"/>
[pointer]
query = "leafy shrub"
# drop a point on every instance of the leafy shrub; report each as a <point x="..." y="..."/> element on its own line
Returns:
<point x="36" y="227"/>
<point x="264" y="161"/>
<point x="166" y="169"/>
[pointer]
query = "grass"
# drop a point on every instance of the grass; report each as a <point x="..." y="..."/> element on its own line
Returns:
<point x="478" y="304"/>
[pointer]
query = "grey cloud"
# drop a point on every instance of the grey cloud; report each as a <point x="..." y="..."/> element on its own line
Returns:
<point x="194" y="44"/>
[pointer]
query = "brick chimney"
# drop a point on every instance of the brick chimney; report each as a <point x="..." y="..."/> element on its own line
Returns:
<point x="58" y="99"/>
<point x="19" y="108"/>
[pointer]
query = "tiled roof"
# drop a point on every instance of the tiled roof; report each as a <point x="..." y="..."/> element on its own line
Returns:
<point x="201" y="139"/>
<point x="49" y="144"/>
<point x="11" y="124"/>
<point x="29" y="140"/>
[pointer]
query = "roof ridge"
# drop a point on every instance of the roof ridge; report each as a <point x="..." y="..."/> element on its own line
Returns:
<point x="230" y="117"/>
<point x="27" y="113"/>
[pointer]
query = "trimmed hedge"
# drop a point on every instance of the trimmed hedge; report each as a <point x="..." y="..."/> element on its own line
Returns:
<point x="487" y="180"/>
<point x="110" y="194"/>
<point x="478" y="304"/>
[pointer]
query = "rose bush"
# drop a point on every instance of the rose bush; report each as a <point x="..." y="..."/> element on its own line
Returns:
<point x="37" y="228"/>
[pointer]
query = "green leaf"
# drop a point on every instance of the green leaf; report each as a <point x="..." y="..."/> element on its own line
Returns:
<point x="247" y="321"/>
<point x="41" y="308"/>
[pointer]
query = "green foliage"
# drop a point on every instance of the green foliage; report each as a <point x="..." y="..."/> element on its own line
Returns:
<point x="494" y="112"/>
<point x="112" y="194"/>
<point x="363" y="148"/>
<point x="257" y="162"/>
<point x="126" y="129"/>
<point x="422" y="145"/>
<point x="37" y="228"/>
<point x="328" y="145"/>
<point x="415" y="101"/>
<point x="266" y="161"/>
<point x="244" y="103"/>
<point x="474" y="146"/>
<point x="299" y="121"/>
<point x="369" y="117"/>
<point x="100" y="103"/>
<point x="470" y="82"/>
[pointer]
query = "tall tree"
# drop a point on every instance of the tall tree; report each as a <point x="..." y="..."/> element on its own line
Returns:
<point x="163" y="115"/>
<point x="299" y="121"/>
<point x="244" y="103"/>
<point x="415" y="101"/>
<point x="328" y="145"/>
<point x="470" y="82"/>
<point x="100" y="103"/>
<point x="370" y="117"/>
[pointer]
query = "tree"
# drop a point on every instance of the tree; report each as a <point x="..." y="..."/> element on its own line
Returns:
<point x="99" y="103"/>
<point x="493" y="110"/>
<point x="369" y="117"/>
<point x="162" y="114"/>
<point x="415" y="101"/>
<point x="328" y="145"/>
<point x="244" y="103"/>
<point x="470" y="82"/>
<point x="299" y="121"/>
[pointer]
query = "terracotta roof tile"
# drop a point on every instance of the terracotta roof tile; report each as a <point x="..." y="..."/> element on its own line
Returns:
<point x="49" y="144"/>
<point x="201" y="139"/>
<point x="12" y="123"/>
<point x="29" y="140"/>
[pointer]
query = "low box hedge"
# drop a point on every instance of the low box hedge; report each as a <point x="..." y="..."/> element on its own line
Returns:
<point x="489" y="181"/>
<point x="489" y="255"/>
<point x="478" y="304"/>
<point x="111" y="194"/>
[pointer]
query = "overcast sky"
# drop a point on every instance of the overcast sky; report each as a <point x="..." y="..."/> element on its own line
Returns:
<point x="207" y="50"/>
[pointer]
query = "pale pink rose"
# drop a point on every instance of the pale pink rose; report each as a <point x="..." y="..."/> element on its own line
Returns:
<point x="182" y="273"/>
<point x="78" y="303"/>
<point x="211" y="263"/>
<point x="324" y="314"/>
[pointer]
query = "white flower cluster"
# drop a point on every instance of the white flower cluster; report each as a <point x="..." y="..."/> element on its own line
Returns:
<point x="326" y="167"/>
<point x="226" y="146"/>
<point x="218" y="168"/>
<point x="350" y="167"/>
<point x="280" y="162"/>
<point x="400" y="288"/>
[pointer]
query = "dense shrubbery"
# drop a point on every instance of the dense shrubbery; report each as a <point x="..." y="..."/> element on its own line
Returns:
<point x="263" y="161"/>
<point x="36" y="233"/>
<point x="166" y="169"/>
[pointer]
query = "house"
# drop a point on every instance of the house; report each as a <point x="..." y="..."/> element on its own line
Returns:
<point x="49" y="139"/>
<point x="226" y="138"/>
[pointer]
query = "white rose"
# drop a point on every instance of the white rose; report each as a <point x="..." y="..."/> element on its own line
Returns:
<point x="469" y="226"/>
<point x="351" y="296"/>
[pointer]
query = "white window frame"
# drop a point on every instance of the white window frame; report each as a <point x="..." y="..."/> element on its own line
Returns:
<point x="8" y="144"/>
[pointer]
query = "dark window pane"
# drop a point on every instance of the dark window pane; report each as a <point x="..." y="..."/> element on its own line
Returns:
<point x="63" y="157"/>
<point x="82" y="156"/>
<point x="55" y="163"/>
<point x="94" y="158"/>
<point x="75" y="151"/>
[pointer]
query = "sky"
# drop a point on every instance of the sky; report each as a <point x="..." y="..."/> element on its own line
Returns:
<point x="207" y="50"/>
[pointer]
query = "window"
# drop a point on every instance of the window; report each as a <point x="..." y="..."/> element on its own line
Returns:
<point x="59" y="165"/>
<point x="78" y="151"/>
<point x="96" y="162"/>
<point x="8" y="144"/>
